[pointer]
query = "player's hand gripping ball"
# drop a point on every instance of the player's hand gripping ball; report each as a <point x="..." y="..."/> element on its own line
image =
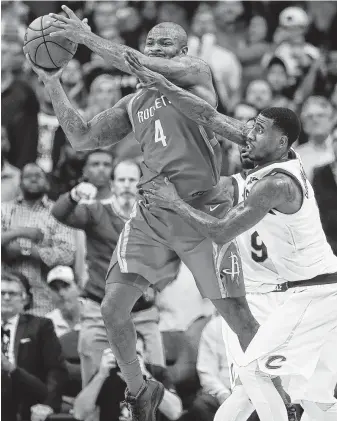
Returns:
<point x="47" y="52"/>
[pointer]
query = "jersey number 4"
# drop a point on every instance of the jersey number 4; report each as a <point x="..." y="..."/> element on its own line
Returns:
<point x="259" y="249"/>
<point x="159" y="133"/>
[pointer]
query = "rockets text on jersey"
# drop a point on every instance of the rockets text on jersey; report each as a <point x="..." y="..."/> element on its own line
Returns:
<point x="174" y="145"/>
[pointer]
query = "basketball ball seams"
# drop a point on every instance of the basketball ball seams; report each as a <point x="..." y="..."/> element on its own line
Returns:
<point x="61" y="46"/>
<point x="42" y="43"/>
<point x="44" y="39"/>
<point x="33" y="39"/>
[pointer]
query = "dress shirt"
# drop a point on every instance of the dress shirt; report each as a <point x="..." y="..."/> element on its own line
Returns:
<point x="11" y="325"/>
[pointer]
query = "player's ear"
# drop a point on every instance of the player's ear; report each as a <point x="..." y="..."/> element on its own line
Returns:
<point x="283" y="141"/>
<point x="184" y="50"/>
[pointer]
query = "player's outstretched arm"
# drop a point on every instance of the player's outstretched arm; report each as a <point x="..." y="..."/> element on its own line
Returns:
<point x="269" y="193"/>
<point x="107" y="128"/>
<point x="185" y="71"/>
<point x="194" y="107"/>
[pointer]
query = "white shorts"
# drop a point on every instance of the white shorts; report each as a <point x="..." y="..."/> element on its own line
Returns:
<point x="261" y="305"/>
<point x="298" y="339"/>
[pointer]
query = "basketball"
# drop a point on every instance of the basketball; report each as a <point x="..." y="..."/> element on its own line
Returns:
<point x="44" y="51"/>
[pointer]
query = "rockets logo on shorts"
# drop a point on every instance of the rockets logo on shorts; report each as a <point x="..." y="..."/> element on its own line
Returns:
<point x="275" y="361"/>
<point x="230" y="270"/>
<point x="234" y="270"/>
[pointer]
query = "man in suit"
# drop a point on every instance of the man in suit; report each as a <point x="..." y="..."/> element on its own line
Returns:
<point x="325" y="186"/>
<point x="32" y="364"/>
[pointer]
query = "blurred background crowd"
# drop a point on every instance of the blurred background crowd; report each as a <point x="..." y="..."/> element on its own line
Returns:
<point x="55" y="255"/>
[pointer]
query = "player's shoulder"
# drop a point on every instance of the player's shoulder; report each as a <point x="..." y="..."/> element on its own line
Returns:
<point x="278" y="187"/>
<point x="125" y="101"/>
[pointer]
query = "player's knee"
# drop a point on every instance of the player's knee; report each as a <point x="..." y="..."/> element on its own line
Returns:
<point x="112" y="309"/>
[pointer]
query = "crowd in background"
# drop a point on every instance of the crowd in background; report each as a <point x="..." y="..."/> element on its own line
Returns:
<point x="55" y="255"/>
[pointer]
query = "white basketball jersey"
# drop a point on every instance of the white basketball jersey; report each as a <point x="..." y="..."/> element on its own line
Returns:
<point x="259" y="271"/>
<point x="296" y="243"/>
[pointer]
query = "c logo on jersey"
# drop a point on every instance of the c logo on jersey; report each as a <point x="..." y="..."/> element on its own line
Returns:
<point x="274" y="362"/>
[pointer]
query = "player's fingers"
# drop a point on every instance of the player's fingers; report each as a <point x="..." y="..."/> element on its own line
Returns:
<point x="69" y="12"/>
<point x="57" y="24"/>
<point x="60" y="18"/>
<point x="58" y="32"/>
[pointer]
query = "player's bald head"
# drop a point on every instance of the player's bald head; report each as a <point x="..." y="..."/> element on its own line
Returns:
<point x="171" y="30"/>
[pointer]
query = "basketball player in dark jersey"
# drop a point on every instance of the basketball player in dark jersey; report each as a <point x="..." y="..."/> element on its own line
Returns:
<point x="153" y="243"/>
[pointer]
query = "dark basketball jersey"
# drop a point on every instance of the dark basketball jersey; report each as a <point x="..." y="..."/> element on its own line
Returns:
<point x="174" y="145"/>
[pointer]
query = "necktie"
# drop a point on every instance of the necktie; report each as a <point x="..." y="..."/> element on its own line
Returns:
<point x="5" y="339"/>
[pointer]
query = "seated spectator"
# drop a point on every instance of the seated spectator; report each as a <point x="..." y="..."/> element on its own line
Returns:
<point x="32" y="240"/>
<point x="66" y="317"/>
<point x="325" y="187"/>
<point x="213" y="371"/>
<point x="19" y="109"/>
<point x="317" y="121"/>
<point x="66" y="320"/>
<point x="106" y="389"/>
<point x="10" y="175"/>
<point x="31" y="359"/>
<point x="102" y="213"/>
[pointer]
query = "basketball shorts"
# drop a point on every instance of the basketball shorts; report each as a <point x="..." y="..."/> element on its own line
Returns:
<point x="152" y="244"/>
<point x="299" y="339"/>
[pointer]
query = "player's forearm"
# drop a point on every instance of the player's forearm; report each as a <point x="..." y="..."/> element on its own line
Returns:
<point x="200" y="111"/>
<point x="185" y="71"/>
<point x="72" y="123"/>
<point x="85" y="402"/>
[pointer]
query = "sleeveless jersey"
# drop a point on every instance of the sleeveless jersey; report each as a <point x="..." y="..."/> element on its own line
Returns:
<point x="259" y="272"/>
<point x="295" y="242"/>
<point x="173" y="145"/>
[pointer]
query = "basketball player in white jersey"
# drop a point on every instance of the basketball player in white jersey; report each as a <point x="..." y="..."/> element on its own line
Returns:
<point x="261" y="280"/>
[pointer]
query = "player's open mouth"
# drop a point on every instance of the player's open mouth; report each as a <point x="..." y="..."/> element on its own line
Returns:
<point x="156" y="55"/>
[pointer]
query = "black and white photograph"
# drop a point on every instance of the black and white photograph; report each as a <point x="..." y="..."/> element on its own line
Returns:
<point x="168" y="210"/>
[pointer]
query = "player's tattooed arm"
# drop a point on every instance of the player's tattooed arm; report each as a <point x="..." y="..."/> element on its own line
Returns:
<point x="106" y="128"/>
<point x="267" y="194"/>
<point x="193" y="106"/>
<point x="184" y="70"/>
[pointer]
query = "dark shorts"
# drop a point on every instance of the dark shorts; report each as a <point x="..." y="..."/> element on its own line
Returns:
<point x="153" y="243"/>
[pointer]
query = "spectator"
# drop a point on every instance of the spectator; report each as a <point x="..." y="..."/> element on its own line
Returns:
<point x="278" y="78"/>
<point x="102" y="218"/>
<point x="245" y="112"/>
<point x="292" y="46"/>
<point x="48" y="148"/>
<point x="225" y="66"/>
<point x="104" y="93"/>
<point x="176" y="12"/>
<point x="325" y="186"/>
<point x="213" y="371"/>
<point x="10" y="175"/>
<point x="66" y="317"/>
<point x="66" y="321"/>
<point x="317" y="119"/>
<point x="32" y="240"/>
<point x="68" y="171"/>
<point x="19" y="109"/>
<point x="107" y="387"/>
<point x="31" y="353"/>
<point x="73" y="83"/>
<point x="253" y="48"/>
<point x="231" y="24"/>
<point x="259" y="94"/>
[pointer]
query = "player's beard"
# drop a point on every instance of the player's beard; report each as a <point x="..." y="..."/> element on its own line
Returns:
<point x="126" y="202"/>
